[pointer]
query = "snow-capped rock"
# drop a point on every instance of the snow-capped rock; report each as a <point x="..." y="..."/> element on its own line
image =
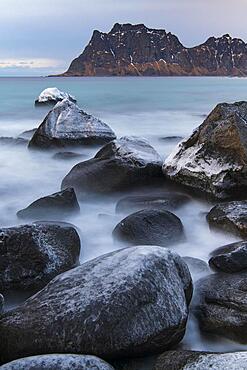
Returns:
<point x="230" y="217"/>
<point x="193" y="360"/>
<point x="67" y="125"/>
<point x="130" y="302"/>
<point x="54" y="206"/>
<point x="31" y="255"/>
<point x="214" y="158"/>
<point x="150" y="227"/>
<point x="120" y="164"/>
<point x="52" y="95"/>
<point x="58" y="362"/>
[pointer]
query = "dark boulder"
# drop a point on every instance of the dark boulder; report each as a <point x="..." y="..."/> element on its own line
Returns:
<point x="230" y="258"/>
<point x="193" y="360"/>
<point x="67" y="125"/>
<point x="214" y="158"/>
<point x="52" y="206"/>
<point x="132" y="302"/>
<point x="120" y="164"/>
<point x="58" y="362"/>
<point x="221" y="305"/>
<point x="31" y="255"/>
<point x="166" y="201"/>
<point x="230" y="217"/>
<point x="150" y="227"/>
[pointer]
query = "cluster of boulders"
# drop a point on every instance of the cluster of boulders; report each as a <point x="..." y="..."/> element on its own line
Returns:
<point x="135" y="301"/>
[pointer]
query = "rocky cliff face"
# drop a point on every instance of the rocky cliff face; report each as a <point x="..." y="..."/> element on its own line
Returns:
<point x="135" y="50"/>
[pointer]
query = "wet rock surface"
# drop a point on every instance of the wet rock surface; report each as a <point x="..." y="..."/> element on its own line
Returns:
<point x="230" y="258"/>
<point x="230" y="217"/>
<point x="68" y="125"/>
<point x="150" y="227"/>
<point x="131" y="302"/>
<point x="167" y="201"/>
<point x="67" y="155"/>
<point x="195" y="360"/>
<point x="54" y="206"/>
<point x="119" y="165"/>
<point x="214" y="158"/>
<point x="221" y="306"/>
<point x="31" y="255"/>
<point x="58" y="362"/>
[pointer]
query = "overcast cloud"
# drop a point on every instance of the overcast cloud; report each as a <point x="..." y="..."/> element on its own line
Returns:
<point x="38" y="37"/>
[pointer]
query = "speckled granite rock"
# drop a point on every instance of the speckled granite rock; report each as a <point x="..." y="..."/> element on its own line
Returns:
<point x="230" y="217"/>
<point x="221" y="305"/>
<point x="214" y="158"/>
<point x="67" y="125"/>
<point x="58" y="362"/>
<point x="31" y="255"/>
<point x="192" y="360"/>
<point x="131" y="302"/>
<point x="52" y="95"/>
<point x="230" y="258"/>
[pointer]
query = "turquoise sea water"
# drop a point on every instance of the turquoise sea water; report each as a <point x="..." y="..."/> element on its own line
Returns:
<point x="150" y="107"/>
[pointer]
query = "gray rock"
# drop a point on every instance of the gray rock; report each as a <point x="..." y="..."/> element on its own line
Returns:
<point x="230" y="258"/>
<point x="230" y="217"/>
<point x="121" y="164"/>
<point x="131" y="302"/>
<point x="221" y="305"/>
<point x="52" y="95"/>
<point x="67" y="155"/>
<point x="1" y="303"/>
<point x="27" y="134"/>
<point x="214" y="157"/>
<point x="52" y="206"/>
<point x="6" y="140"/>
<point x="193" y="360"/>
<point x="165" y="201"/>
<point x="150" y="227"/>
<point x="58" y="362"/>
<point x="31" y="255"/>
<point x="67" y="125"/>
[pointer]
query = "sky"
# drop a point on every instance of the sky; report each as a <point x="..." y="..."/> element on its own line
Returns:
<point x="40" y="37"/>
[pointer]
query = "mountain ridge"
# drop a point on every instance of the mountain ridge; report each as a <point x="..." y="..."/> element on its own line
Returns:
<point x="136" y="50"/>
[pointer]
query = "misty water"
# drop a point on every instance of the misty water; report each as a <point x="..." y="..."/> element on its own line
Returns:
<point x="153" y="108"/>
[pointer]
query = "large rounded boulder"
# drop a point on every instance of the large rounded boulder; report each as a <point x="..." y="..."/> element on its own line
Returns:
<point x="131" y="302"/>
<point x="52" y="95"/>
<point x="195" y="360"/>
<point x="230" y="258"/>
<point x="230" y="217"/>
<point x="120" y="164"/>
<point x="58" y="362"/>
<point x="221" y="305"/>
<point x="67" y="125"/>
<point x="150" y="227"/>
<point x="54" y="206"/>
<point x="32" y="255"/>
<point x="214" y="158"/>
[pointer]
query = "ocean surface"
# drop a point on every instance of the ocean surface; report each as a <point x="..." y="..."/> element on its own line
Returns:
<point x="154" y="108"/>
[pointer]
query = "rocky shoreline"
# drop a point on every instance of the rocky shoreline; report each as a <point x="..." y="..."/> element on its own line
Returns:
<point x="130" y="306"/>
